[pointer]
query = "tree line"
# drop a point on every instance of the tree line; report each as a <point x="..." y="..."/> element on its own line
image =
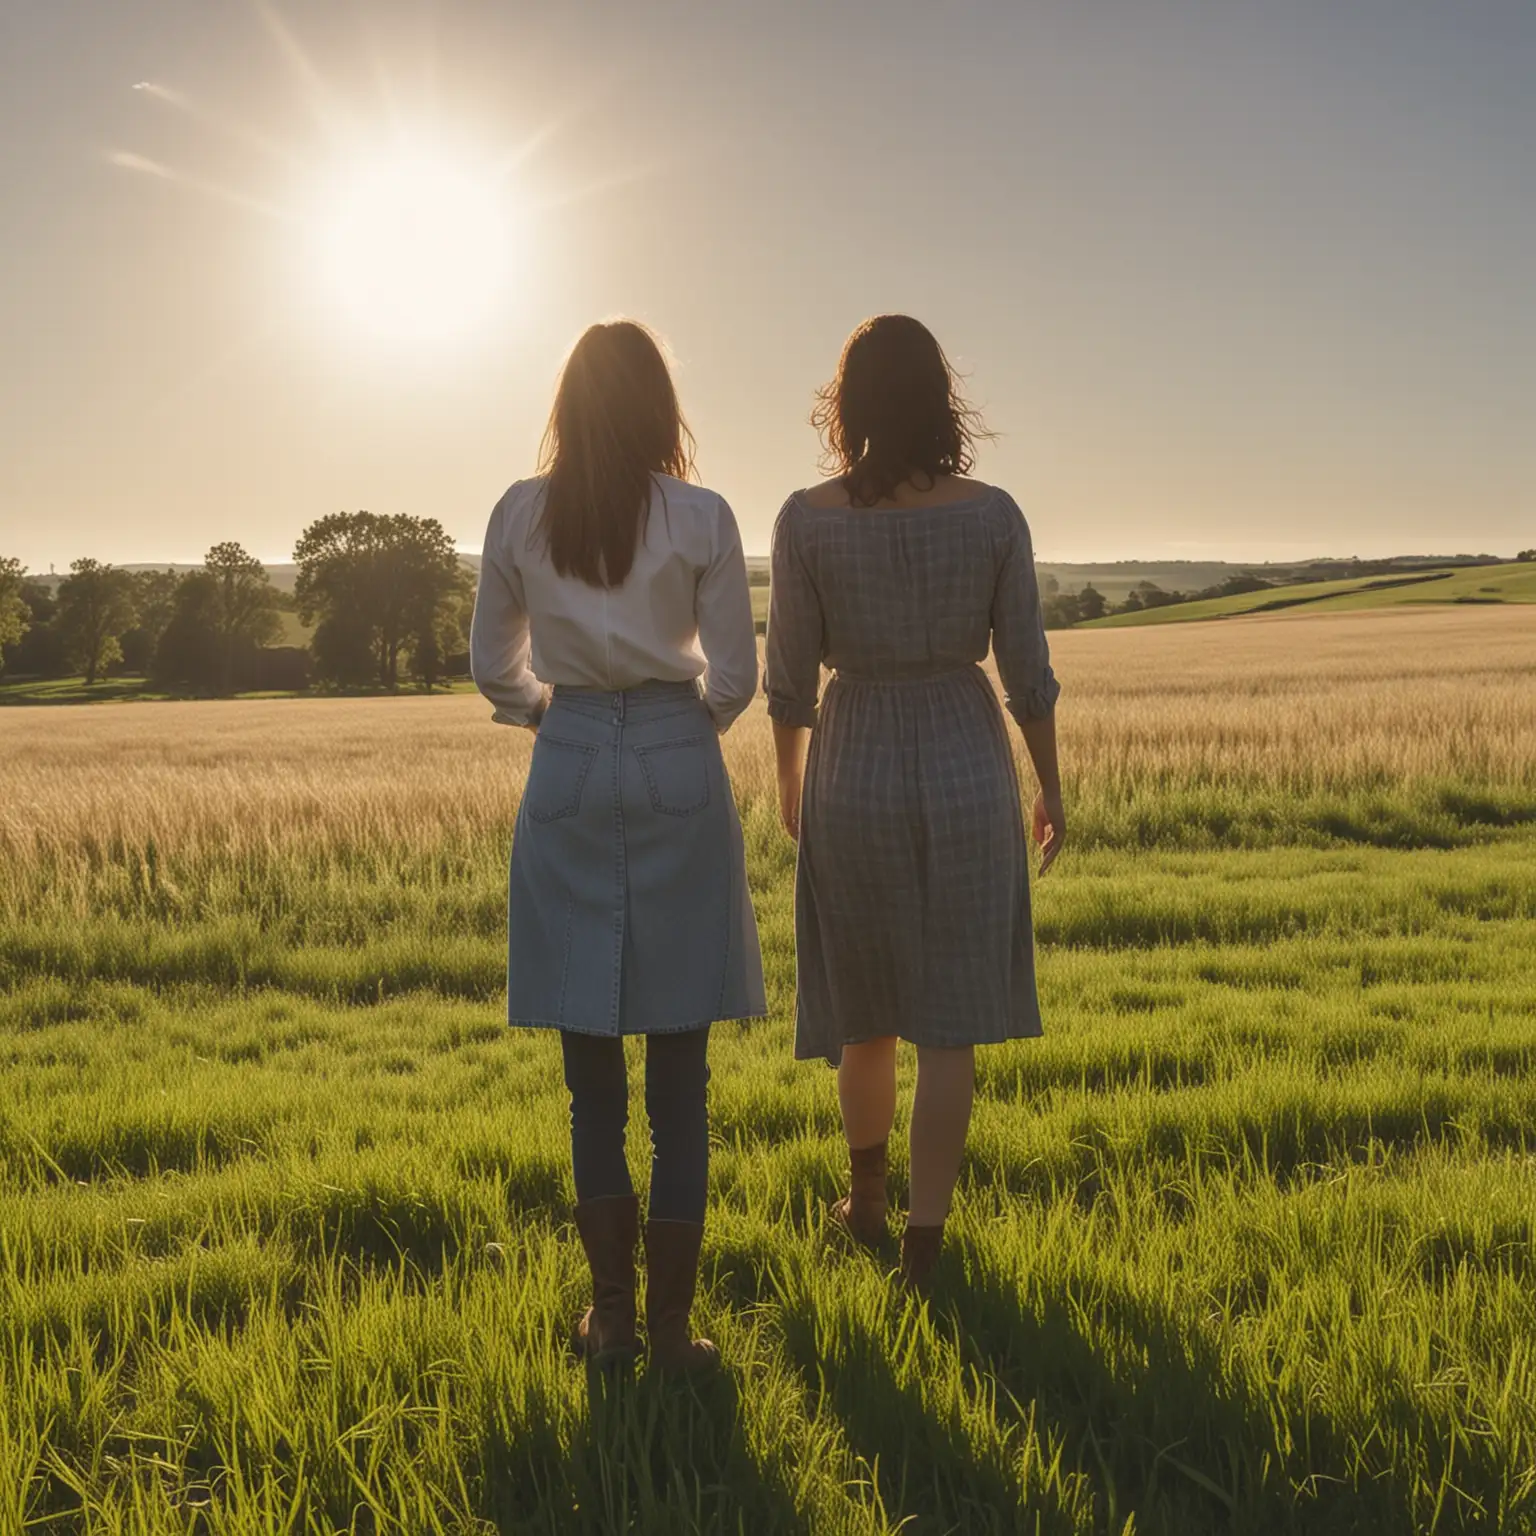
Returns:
<point x="1064" y="609"/>
<point x="386" y="596"/>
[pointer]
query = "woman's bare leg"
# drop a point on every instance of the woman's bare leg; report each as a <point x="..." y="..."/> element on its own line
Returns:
<point x="941" y="1116"/>
<point x="866" y="1089"/>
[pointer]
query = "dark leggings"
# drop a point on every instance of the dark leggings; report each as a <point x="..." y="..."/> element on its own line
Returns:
<point x="676" y="1072"/>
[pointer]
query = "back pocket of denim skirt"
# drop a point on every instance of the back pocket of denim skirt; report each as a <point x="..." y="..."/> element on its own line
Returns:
<point x="677" y="775"/>
<point x="556" y="778"/>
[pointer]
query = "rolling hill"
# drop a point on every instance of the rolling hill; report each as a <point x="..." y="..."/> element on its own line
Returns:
<point x="1510" y="583"/>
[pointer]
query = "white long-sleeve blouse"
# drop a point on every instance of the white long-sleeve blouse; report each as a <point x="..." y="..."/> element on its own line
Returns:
<point x="683" y="612"/>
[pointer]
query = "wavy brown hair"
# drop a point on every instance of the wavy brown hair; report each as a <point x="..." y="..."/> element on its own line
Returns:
<point x="895" y="412"/>
<point x="615" y="424"/>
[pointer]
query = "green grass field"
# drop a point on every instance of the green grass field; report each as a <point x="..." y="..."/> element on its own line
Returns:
<point x="1243" y="1244"/>
<point x="1485" y="584"/>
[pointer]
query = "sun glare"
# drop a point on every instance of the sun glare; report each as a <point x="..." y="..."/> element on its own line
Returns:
<point x="415" y="246"/>
<point x="398" y="229"/>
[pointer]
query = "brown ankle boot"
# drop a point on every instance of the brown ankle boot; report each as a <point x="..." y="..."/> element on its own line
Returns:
<point x="919" y="1253"/>
<point x="861" y="1213"/>
<point x="609" y="1229"/>
<point x="671" y="1274"/>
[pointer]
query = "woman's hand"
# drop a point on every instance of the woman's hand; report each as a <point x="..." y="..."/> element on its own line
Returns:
<point x="1050" y="828"/>
<point x="790" y="789"/>
<point x="546" y="696"/>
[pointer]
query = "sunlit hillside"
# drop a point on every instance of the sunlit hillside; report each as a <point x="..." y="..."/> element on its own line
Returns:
<point x="1486" y="584"/>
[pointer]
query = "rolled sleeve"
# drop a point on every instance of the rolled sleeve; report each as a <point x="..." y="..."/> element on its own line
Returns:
<point x="500" y="643"/>
<point x="1030" y="689"/>
<point x="723" y="612"/>
<point x="796" y="629"/>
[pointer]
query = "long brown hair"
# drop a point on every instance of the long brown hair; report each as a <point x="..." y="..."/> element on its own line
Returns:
<point x="895" y="412"/>
<point x="615" y="423"/>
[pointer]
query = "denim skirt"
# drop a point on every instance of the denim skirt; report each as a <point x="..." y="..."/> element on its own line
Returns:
<point x="628" y="911"/>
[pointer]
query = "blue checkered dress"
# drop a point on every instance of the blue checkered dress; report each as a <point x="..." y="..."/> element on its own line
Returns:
<point x="912" y="893"/>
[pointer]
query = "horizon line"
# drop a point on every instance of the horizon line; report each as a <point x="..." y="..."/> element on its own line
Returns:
<point x="1041" y="558"/>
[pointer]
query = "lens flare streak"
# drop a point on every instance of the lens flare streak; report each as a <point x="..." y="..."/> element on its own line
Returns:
<point x="142" y="165"/>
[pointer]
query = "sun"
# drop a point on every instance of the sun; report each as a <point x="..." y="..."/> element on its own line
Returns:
<point x="414" y="245"/>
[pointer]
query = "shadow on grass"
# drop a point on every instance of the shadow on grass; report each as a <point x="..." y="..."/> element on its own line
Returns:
<point x="74" y="690"/>
<point x="929" y="1476"/>
<point x="1171" y="1435"/>
<point x="415" y="1233"/>
<point x="653" y="1454"/>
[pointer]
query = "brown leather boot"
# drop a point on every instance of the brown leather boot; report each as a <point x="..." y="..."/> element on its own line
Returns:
<point x="919" y="1253"/>
<point x="609" y="1229"/>
<point x="861" y="1212"/>
<point x="671" y="1275"/>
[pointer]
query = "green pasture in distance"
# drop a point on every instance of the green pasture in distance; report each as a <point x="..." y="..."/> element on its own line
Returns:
<point x="1514" y="582"/>
<point x="295" y="630"/>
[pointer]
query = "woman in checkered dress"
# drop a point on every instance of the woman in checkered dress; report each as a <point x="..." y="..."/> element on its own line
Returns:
<point x="912" y="916"/>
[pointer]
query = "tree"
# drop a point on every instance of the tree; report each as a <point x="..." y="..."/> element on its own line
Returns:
<point x="342" y="648"/>
<point x="374" y="586"/>
<point x="441" y="627"/>
<point x="1239" y="585"/>
<point x="244" y="607"/>
<point x="15" y="615"/>
<point x="154" y="601"/>
<point x="1060" y="611"/>
<point x="1526" y="554"/>
<point x="187" y="653"/>
<point x="429" y="651"/>
<point x="1091" y="604"/>
<point x="221" y="616"/>
<point x="40" y="651"/>
<point x="95" y="608"/>
<point x="1153" y="596"/>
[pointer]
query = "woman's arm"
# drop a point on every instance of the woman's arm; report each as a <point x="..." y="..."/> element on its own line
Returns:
<point x="1049" y="817"/>
<point x="499" y="640"/>
<point x="1030" y="688"/>
<point x="727" y="636"/>
<point x="789" y="748"/>
<point x="793" y="675"/>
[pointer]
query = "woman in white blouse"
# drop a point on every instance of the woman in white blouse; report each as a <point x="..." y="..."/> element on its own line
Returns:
<point x="623" y="587"/>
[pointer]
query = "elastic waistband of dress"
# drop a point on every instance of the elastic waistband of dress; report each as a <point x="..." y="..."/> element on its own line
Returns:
<point x="907" y="680"/>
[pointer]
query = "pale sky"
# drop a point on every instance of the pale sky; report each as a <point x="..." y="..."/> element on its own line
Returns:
<point x="1239" y="280"/>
